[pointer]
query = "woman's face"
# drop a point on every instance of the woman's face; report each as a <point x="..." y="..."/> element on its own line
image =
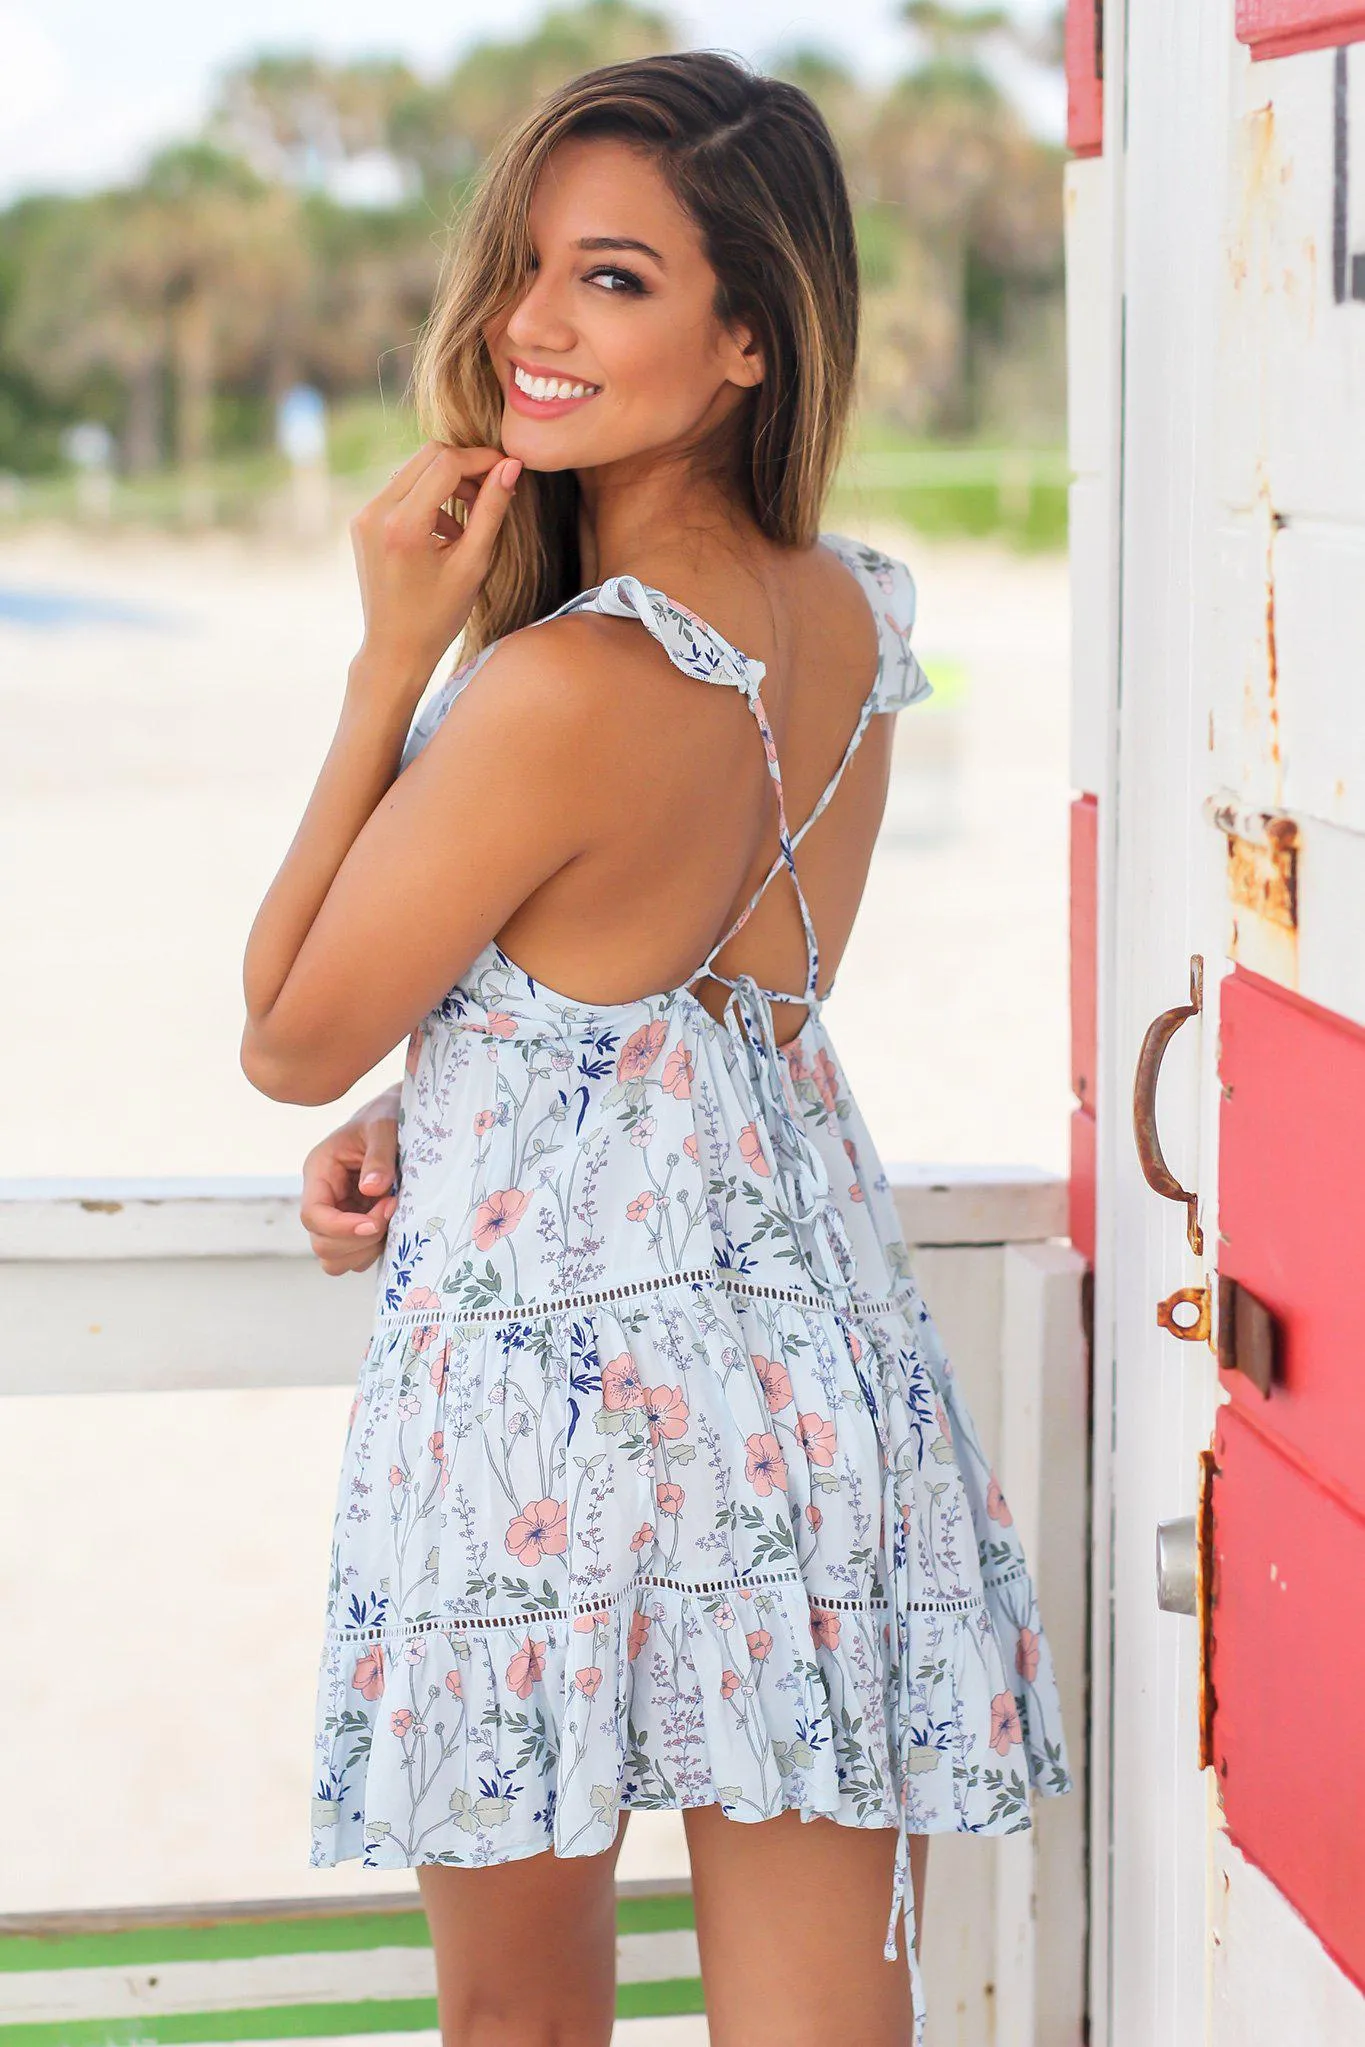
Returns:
<point x="619" y="307"/>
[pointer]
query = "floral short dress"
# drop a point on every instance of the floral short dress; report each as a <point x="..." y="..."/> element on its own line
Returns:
<point x="658" y="1489"/>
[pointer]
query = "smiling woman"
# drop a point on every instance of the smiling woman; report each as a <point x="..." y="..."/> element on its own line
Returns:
<point x="658" y="1490"/>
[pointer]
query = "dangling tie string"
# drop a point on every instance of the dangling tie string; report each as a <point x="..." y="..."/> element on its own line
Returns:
<point x="799" y="1170"/>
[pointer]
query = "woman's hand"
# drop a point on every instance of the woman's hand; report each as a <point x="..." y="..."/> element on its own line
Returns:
<point x="349" y="1191"/>
<point x="419" y="570"/>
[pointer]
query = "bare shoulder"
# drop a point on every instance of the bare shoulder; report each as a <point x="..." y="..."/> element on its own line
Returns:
<point x="569" y="674"/>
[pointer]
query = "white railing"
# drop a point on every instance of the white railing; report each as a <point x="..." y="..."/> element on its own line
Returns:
<point x="208" y="1287"/>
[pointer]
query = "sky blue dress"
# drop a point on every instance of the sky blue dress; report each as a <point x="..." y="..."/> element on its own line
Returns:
<point x="658" y="1489"/>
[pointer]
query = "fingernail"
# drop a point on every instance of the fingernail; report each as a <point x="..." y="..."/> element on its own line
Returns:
<point x="375" y="1179"/>
<point x="365" y="1229"/>
<point x="510" y="471"/>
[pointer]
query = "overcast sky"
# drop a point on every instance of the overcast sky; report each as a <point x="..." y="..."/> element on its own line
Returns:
<point x="87" y="88"/>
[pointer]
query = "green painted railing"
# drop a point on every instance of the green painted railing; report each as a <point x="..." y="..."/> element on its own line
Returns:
<point x="284" y="1971"/>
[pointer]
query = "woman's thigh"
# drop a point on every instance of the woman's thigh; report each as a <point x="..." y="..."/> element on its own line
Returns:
<point x="525" y="1951"/>
<point x="791" y="1922"/>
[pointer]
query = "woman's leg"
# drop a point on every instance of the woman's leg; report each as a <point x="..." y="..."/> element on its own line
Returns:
<point x="525" y="1951"/>
<point x="791" y="1920"/>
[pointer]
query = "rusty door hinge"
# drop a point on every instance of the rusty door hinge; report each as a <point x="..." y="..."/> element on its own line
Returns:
<point x="1248" y="1335"/>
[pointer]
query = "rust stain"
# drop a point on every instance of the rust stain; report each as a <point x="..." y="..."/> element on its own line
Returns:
<point x="1205" y="1596"/>
<point x="1263" y="878"/>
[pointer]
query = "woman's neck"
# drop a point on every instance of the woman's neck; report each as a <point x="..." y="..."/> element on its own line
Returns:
<point x="655" y="522"/>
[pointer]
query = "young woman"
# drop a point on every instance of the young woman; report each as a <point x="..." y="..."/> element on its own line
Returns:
<point x="657" y="1490"/>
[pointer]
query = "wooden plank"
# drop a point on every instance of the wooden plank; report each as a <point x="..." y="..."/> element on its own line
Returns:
<point x="1270" y="1981"/>
<point x="1084" y="903"/>
<point x="1084" y="89"/>
<point x="1291" y="1215"/>
<point x="1288" y="1675"/>
<point x="1281" y="28"/>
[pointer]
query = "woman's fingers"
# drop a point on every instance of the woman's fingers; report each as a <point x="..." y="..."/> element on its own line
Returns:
<point x="486" y="516"/>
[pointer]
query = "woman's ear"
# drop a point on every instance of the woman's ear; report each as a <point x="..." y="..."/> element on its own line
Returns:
<point x="745" y="364"/>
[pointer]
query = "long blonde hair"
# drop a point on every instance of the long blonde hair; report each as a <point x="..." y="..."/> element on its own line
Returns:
<point x="753" y="163"/>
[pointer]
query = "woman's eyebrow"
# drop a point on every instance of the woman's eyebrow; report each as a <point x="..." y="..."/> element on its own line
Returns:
<point x="619" y="242"/>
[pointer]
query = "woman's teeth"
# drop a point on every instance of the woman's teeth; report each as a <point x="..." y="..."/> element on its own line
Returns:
<point x="550" y="387"/>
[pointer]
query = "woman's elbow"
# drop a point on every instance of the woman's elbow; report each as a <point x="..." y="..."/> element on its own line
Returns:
<point x="288" y="1077"/>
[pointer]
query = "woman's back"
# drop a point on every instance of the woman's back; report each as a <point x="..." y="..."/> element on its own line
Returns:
<point x="688" y="823"/>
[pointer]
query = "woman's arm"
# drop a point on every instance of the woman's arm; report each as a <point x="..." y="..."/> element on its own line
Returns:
<point x="394" y="885"/>
<point x="419" y="574"/>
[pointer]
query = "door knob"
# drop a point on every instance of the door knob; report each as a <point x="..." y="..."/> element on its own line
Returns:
<point x="1177" y="1565"/>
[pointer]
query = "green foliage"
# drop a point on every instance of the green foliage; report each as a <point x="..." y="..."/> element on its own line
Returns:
<point x="175" y="307"/>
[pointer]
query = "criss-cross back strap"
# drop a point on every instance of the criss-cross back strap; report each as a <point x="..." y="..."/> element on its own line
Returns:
<point x="899" y="680"/>
<point x="699" y="650"/>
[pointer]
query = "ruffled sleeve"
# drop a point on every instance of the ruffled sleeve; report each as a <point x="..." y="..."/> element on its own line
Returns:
<point x="890" y="590"/>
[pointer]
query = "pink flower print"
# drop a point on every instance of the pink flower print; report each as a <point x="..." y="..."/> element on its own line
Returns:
<point x="423" y="1338"/>
<point x="584" y="1623"/>
<point x="637" y="1210"/>
<point x="760" y="1642"/>
<point x="540" y="1530"/>
<point x="400" y="1723"/>
<point x="643" y="1131"/>
<point x="772" y="1377"/>
<point x="414" y="1051"/>
<point x="437" y="1368"/>
<point x="396" y="1474"/>
<point x="851" y="1148"/>
<point x="725" y="1616"/>
<point x="622" y="1385"/>
<point x="666" y="1412"/>
<point x="795" y="1056"/>
<point x="1026" y="1655"/>
<point x="827" y="1080"/>
<point x="418" y="1297"/>
<point x="855" y="1346"/>
<point x="527" y="1668"/>
<point x="485" y="1120"/>
<point x="824" y="1627"/>
<point x="641" y="1049"/>
<point x="816" y="1437"/>
<point x="751" y="1151"/>
<point x="589" y="1682"/>
<point x="690" y="1147"/>
<point x="995" y="1503"/>
<point x="814" y="1516"/>
<point x="855" y="1192"/>
<point x="1005" y="1726"/>
<point x="454" y="1684"/>
<point x="730" y="1683"/>
<point x="765" y="1467"/>
<point x="670" y="1498"/>
<point x="368" y="1677"/>
<point x="499" y="1024"/>
<point x="498" y="1216"/>
<point x="639" y="1634"/>
<point x="643" y="1536"/>
<point x="941" y="1416"/>
<point x="677" y="1074"/>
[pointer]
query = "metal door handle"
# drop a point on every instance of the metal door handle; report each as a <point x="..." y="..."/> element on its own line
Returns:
<point x="1155" y="1170"/>
<point x="1177" y="1565"/>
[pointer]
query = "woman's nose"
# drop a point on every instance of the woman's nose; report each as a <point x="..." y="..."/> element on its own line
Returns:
<point x="537" y="321"/>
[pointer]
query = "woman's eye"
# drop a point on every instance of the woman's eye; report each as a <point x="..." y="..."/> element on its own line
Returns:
<point x="630" y="282"/>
